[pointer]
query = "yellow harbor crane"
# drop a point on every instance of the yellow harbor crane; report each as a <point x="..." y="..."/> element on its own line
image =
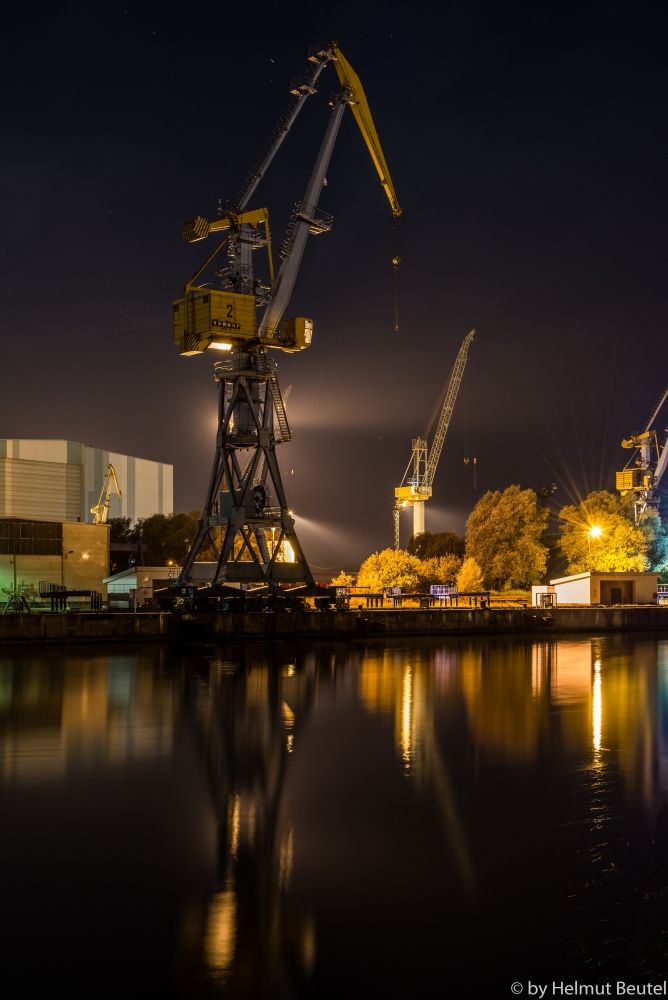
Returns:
<point x="245" y="516"/>
<point x="101" y="508"/>
<point x="418" y="489"/>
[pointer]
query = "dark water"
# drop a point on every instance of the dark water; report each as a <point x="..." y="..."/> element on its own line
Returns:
<point x="417" y="819"/>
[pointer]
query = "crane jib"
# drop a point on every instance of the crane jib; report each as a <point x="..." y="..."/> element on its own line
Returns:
<point x="446" y="412"/>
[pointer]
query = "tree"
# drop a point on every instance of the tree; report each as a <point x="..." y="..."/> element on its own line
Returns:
<point x="428" y="546"/>
<point x="655" y="533"/>
<point x="168" y="538"/>
<point x="120" y="529"/>
<point x="440" y="569"/>
<point x="469" y="577"/>
<point x="389" y="568"/>
<point x="622" y="545"/>
<point x="503" y="535"/>
<point x="343" y="580"/>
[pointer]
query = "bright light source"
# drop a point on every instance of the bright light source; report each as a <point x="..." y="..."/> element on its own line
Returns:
<point x="84" y="555"/>
<point x="595" y="531"/>
<point x="220" y="346"/>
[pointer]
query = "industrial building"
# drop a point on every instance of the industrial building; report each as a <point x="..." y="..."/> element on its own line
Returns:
<point x="68" y="553"/>
<point x="61" y="480"/>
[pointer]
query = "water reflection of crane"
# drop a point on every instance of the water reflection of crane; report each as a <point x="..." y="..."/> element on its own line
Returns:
<point x="392" y="681"/>
<point x="248" y="715"/>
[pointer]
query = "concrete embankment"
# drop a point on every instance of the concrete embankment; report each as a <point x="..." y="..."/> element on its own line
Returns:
<point x="154" y="626"/>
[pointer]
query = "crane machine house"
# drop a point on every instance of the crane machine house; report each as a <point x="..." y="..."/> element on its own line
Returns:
<point x="47" y="490"/>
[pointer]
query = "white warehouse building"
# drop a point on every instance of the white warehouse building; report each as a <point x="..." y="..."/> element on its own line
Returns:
<point x="61" y="481"/>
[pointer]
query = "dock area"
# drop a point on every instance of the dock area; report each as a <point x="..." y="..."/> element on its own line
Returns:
<point x="157" y="626"/>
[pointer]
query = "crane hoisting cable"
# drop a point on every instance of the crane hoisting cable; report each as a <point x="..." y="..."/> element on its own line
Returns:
<point x="424" y="462"/>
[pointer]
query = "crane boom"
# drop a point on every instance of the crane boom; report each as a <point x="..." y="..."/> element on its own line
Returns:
<point x="362" y="112"/>
<point x="446" y="412"/>
<point x="305" y="219"/>
<point x="301" y="88"/>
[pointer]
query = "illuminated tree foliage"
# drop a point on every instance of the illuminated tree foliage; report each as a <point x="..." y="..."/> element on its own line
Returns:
<point x="503" y="535"/>
<point x="343" y="580"/>
<point x="469" y="577"/>
<point x="398" y="568"/>
<point x="440" y="569"/>
<point x="622" y="545"/>
<point x="389" y="568"/>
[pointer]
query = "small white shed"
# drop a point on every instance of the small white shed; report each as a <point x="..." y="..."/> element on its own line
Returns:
<point x="607" y="588"/>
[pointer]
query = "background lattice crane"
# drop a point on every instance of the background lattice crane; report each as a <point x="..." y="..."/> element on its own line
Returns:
<point x="424" y="463"/>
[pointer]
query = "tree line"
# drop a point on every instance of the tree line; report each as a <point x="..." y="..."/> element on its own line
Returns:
<point x="507" y="547"/>
<point x="167" y="539"/>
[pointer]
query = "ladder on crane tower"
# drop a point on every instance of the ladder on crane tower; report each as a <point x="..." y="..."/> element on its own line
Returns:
<point x="424" y="462"/>
<point x="265" y="365"/>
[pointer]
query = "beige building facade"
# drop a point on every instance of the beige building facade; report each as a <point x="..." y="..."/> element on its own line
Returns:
<point x="71" y="554"/>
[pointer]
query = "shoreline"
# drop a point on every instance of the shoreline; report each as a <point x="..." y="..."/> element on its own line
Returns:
<point x="160" y="626"/>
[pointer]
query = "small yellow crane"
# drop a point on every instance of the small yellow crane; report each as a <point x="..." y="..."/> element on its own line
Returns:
<point x="101" y="508"/>
<point x="419" y="486"/>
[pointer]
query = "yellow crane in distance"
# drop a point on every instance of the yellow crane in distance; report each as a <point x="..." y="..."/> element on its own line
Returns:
<point x="419" y="486"/>
<point x="101" y="508"/>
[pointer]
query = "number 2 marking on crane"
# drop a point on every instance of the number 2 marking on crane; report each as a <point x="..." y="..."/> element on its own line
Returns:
<point x="230" y="310"/>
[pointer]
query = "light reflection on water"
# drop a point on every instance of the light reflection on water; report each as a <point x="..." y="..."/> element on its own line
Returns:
<point x="102" y="709"/>
<point x="391" y="818"/>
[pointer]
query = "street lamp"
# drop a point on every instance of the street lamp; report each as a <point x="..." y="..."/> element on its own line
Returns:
<point x="594" y="532"/>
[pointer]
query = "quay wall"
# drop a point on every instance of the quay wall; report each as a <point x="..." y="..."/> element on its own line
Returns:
<point x="155" y="626"/>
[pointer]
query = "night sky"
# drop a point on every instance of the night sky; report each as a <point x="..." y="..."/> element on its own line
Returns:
<point x="527" y="144"/>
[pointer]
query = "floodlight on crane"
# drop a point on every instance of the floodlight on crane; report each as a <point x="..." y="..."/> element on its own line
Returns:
<point x="424" y="462"/>
<point x="245" y="504"/>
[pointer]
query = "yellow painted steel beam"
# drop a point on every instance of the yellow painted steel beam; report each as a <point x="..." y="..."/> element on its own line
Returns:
<point x="349" y="78"/>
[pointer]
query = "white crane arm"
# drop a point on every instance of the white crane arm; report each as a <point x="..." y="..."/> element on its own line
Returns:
<point x="446" y="412"/>
<point x="305" y="221"/>
<point x="301" y="89"/>
<point x="657" y="408"/>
